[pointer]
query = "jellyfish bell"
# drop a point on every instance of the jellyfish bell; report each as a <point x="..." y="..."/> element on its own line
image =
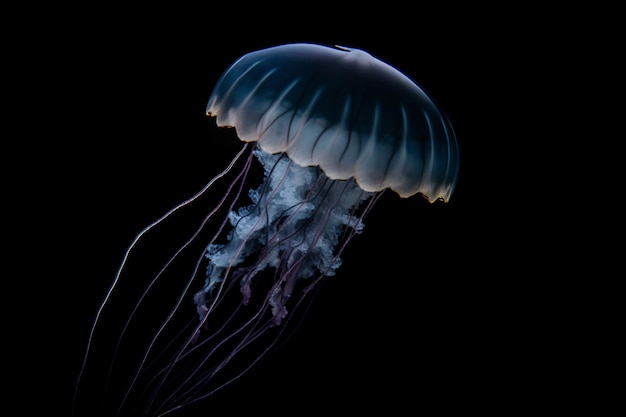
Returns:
<point x="329" y="130"/>
<point x="343" y="110"/>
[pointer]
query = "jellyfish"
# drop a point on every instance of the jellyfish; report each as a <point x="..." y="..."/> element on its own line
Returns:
<point x="324" y="132"/>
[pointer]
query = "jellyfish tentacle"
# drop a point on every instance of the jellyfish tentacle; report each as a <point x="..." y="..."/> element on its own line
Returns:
<point x="252" y="328"/>
<point x="293" y="234"/>
<point x="238" y="179"/>
<point x="122" y="267"/>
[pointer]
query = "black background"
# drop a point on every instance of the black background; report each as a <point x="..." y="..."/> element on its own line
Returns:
<point x="437" y="307"/>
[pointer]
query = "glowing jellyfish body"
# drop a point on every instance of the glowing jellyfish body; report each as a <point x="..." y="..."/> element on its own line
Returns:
<point x="331" y="128"/>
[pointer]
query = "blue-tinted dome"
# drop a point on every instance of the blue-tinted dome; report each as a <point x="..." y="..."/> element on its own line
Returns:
<point x="344" y="110"/>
